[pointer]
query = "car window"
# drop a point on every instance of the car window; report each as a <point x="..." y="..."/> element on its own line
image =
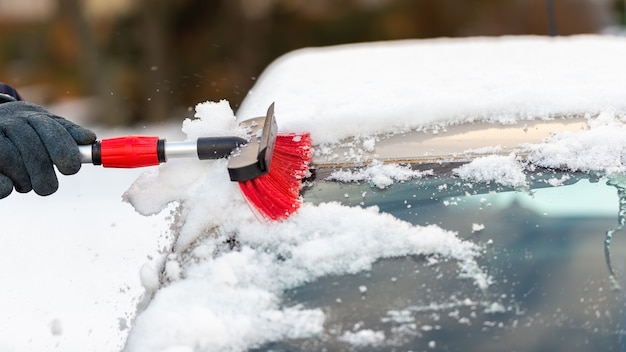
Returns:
<point x="544" y="247"/>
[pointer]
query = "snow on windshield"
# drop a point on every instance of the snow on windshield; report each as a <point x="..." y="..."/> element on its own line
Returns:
<point x="379" y="174"/>
<point x="221" y="287"/>
<point x="222" y="296"/>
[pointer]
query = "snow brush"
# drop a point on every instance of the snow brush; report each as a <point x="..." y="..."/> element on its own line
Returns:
<point x="269" y="167"/>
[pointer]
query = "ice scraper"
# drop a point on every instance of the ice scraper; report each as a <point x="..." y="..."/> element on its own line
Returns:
<point x="269" y="166"/>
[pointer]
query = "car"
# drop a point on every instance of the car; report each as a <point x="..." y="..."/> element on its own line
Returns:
<point x="464" y="194"/>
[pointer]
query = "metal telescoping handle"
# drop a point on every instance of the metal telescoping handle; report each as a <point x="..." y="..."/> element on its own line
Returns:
<point x="140" y="151"/>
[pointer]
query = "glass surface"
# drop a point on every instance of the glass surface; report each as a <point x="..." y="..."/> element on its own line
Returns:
<point x="544" y="248"/>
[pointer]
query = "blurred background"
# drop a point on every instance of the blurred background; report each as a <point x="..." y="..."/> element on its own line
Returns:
<point x="130" y="62"/>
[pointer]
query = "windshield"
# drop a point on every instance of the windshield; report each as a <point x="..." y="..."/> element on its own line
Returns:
<point x="544" y="248"/>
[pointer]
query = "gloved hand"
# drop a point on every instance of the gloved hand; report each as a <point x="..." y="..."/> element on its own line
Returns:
<point x="31" y="141"/>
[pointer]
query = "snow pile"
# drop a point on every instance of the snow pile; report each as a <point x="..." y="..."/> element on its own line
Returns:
<point x="363" y="338"/>
<point x="378" y="174"/>
<point x="203" y="187"/>
<point x="477" y="227"/>
<point x="504" y="170"/>
<point x="600" y="148"/>
<point x="228" y="271"/>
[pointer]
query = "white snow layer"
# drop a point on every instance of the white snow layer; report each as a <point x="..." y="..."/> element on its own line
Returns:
<point x="601" y="147"/>
<point x="362" y="89"/>
<point x="505" y="170"/>
<point x="378" y="174"/>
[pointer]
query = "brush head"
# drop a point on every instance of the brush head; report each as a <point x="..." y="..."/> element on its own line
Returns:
<point x="270" y="167"/>
<point x="276" y="194"/>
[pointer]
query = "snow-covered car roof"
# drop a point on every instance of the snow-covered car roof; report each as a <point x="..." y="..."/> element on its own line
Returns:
<point x="372" y="88"/>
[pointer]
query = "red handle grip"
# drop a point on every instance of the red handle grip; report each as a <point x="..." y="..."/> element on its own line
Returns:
<point x="130" y="151"/>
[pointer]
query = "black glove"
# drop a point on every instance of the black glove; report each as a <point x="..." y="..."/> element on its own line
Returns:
<point x="31" y="141"/>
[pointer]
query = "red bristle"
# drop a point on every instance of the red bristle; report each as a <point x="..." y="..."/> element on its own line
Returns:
<point x="276" y="194"/>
